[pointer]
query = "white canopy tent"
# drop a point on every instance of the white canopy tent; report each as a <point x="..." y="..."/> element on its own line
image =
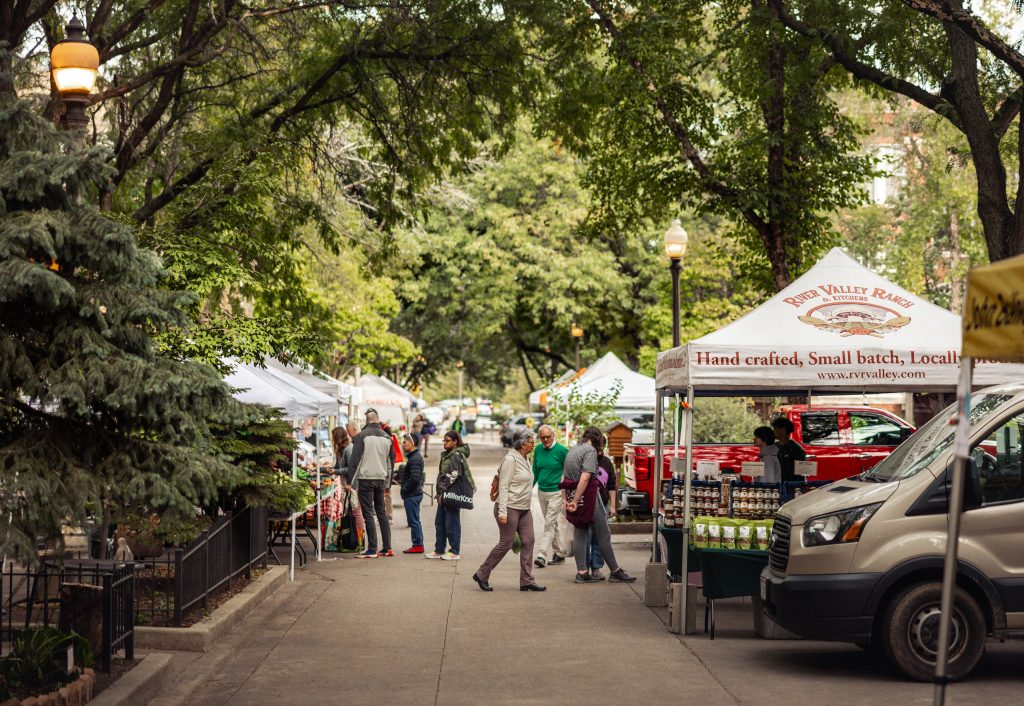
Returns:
<point x="637" y="390"/>
<point x="296" y="400"/>
<point x="839" y="328"/>
<point x="319" y="381"/>
<point x="391" y="400"/>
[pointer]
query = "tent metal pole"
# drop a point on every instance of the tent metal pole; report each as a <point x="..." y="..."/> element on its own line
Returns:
<point x="656" y="474"/>
<point x="316" y="495"/>
<point x="295" y="475"/>
<point x="687" y="483"/>
<point x="949" y="568"/>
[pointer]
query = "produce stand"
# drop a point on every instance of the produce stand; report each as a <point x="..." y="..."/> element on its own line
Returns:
<point x="839" y="328"/>
<point x="728" y="573"/>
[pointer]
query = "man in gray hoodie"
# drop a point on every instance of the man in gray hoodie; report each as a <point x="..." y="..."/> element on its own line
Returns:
<point x="373" y="459"/>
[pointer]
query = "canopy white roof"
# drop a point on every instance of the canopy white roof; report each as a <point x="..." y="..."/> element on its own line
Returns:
<point x="378" y="391"/>
<point x="537" y="395"/>
<point x="319" y="381"/>
<point x="637" y="390"/>
<point x="839" y="327"/>
<point x="293" y="398"/>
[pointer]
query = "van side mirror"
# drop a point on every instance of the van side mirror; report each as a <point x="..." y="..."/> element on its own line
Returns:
<point x="935" y="499"/>
<point x="905" y="433"/>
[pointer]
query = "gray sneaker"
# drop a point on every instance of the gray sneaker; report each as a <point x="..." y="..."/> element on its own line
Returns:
<point x="596" y="573"/>
<point x="557" y="559"/>
<point x="586" y="578"/>
<point x="621" y="576"/>
<point x="540" y="562"/>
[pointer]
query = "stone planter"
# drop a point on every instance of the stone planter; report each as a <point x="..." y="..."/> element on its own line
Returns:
<point x="76" y="693"/>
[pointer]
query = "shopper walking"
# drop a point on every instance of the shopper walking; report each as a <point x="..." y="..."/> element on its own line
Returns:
<point x="412" y="490"/>
<point x="606" y="489"/>
<point x="515" y="494"/>
<point x="548" y="460"/>
<point x="373" y="458"/>
<point x="764" y="440"/>
<point x="447" y="523"/>
<point x="580" y="471"/>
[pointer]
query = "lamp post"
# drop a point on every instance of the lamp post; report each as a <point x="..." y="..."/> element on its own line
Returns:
<point x="74" y="63"/>
<point x="675" y="248"/>
<point x="577" y="333"/>
<point x="458" y="409"/>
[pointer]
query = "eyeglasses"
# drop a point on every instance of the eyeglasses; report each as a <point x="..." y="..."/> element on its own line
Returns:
<point x="546" y="437"/>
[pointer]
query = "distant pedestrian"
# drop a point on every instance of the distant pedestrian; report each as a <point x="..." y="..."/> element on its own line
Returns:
<point x="429" y="429"/>
<point x="764" y="440"/>
<point x="548" y="460"/>
<point x="447" y="523"/>
<point x="606" y="477"/>
<point x="580" y="470"/>
<point x="341" y="442"/>
<point x="789" y="451"/>
<point x="373" y="459"/>
<point x="459" y="426"/>
<point x="412" y="490"/>
<point x="515" y="495"/>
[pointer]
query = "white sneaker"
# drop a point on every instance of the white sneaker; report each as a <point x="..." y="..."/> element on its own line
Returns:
<point x="433" y="555"/>
<point x="448" y="556"/>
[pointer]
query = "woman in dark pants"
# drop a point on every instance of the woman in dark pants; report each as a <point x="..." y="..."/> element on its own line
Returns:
<point x="447" y="523"/>
<point x="515" y="494"/>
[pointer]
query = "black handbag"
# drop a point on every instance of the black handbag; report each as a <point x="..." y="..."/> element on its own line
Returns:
<point x="459" y="495"/>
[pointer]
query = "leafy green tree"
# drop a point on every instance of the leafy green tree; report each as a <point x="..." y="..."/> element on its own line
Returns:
<point x="500" y="268"/>
<point x="723" y="419"/>
<point x="709" y="107"/>
<point x="953" y="61"/>
<point x="579" y="410"/>
<point x="929" y="235"/>
<point x="90" y="415"/>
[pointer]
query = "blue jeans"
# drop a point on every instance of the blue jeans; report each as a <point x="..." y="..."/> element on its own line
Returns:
<point x="448" y="528"/>
<point x="594" y="558"/>
<point x="412" y="514"/>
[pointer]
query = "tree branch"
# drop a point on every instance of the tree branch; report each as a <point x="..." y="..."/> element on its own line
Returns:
<point x="863" y="71"/>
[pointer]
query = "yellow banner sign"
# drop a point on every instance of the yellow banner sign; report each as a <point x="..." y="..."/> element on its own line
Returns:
<point x="994" y="311"/>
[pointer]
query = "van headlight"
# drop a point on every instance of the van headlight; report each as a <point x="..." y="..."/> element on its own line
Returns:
<point x="838" y="527"/>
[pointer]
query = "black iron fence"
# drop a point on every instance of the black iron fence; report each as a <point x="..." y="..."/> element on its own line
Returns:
<point x="65" y="596"/>
<point x="185" y="579"/>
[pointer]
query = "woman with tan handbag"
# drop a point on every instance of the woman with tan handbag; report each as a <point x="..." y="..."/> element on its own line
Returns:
<point x="515" y="493"/>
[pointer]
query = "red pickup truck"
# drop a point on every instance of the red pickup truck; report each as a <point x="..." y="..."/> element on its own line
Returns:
<point x="845" y="441"/>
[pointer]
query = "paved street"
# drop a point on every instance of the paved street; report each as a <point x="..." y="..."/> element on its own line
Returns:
<point x="411" y="631"/>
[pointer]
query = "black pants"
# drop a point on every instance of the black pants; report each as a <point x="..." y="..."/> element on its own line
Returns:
<point x="371" y="502"/>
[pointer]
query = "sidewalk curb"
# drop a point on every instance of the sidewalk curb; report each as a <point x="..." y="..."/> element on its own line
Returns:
<point x="202" y="636"/>
<point x="139" y="685"/>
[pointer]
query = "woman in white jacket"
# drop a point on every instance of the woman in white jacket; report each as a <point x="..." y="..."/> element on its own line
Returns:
<point x="515" y="493"/>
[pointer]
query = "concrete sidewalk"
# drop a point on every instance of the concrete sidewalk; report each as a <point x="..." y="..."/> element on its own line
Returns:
<point x="410" y="631"/>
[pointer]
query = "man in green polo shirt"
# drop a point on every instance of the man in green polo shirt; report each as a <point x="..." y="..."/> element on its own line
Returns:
<point x="548" y="459"/>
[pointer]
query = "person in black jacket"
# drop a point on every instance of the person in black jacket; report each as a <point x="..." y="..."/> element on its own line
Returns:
<point x="412" y="490"/>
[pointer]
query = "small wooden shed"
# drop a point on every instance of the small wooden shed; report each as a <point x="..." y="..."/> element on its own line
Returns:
<point x="619" y="434"/>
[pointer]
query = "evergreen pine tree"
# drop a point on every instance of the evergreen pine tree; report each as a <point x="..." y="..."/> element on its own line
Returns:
<point x="92" y="418"/>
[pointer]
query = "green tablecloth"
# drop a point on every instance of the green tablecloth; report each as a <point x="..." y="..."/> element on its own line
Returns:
<point x="674" y="554"/>
<point x="731" y="572"/>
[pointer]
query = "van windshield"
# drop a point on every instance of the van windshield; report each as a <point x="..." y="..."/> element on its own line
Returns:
<point x="931" y="440"/>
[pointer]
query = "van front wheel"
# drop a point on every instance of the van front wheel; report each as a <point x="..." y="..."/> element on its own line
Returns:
<point x="910" y="632"/>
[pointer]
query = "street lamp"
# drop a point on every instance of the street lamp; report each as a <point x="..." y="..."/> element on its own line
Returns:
<point x="675" y="248"/>
<point x="577" y="333"/>
<point x="74" y="63"/>
<point x="458" y="365"/>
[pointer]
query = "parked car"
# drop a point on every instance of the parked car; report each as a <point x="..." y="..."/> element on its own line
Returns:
<point x="434" y="415"/>
<point x="861" y="560"/>
<point x="844" y="441"/>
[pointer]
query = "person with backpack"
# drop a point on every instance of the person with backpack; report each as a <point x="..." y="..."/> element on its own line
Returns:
<point x="515" y="493"/>
<point x="412" y="490"/>
<point x="454" y="465"/>
<point x="585" y="509"/>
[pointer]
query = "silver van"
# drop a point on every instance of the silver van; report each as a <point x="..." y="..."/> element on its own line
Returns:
<point x="861" y="560"/>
